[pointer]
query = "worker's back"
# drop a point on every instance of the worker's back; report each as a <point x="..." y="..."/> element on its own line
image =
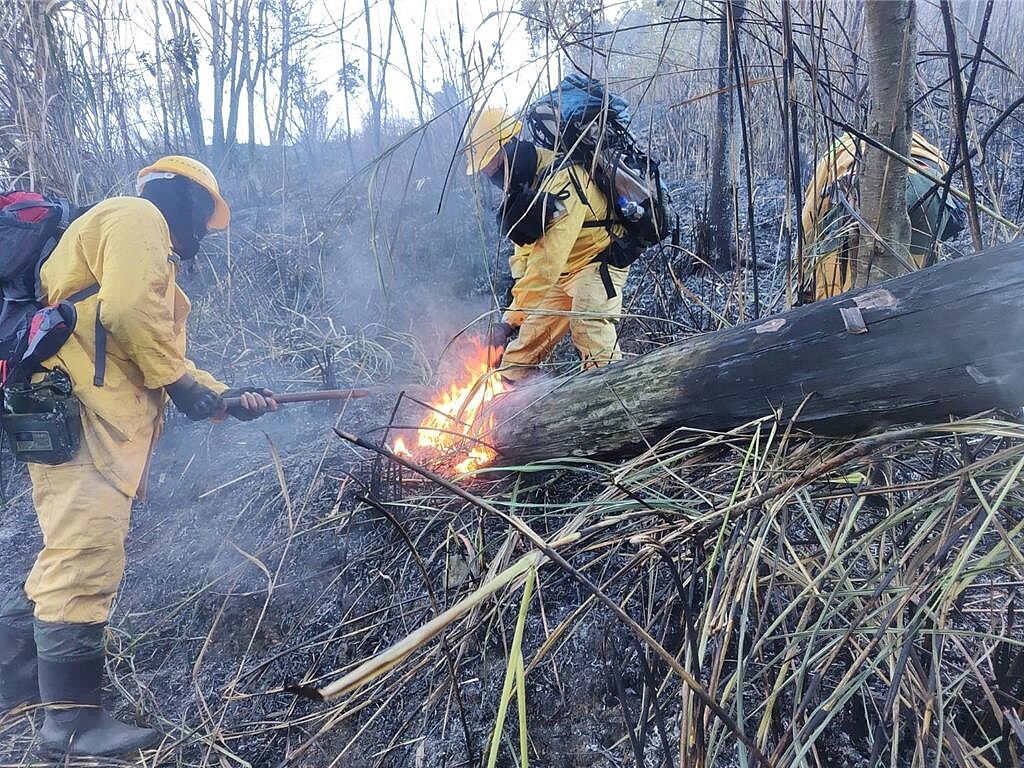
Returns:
<point x="575" y="185"/>
<point x="123" y="244"/>
<point x="831" y="234"/>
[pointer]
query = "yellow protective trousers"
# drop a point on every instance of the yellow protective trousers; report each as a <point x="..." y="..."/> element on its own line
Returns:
<point x="589" y="315"/>
<point x="84" y="519"/>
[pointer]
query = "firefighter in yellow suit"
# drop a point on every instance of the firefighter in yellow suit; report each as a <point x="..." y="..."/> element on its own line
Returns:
<point x="830" y="233"/>
<point x="561" y="282"/>
<point x="126" y="358"/>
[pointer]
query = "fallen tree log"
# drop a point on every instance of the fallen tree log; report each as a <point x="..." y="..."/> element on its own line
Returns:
<point x="944" y="341"/>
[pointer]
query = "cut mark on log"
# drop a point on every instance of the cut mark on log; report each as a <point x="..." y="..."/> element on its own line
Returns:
<point x="771" y="326"/>
<point x="982" y="378"/>
<point x="880" y="298"/>
<point x="853" y="320"/>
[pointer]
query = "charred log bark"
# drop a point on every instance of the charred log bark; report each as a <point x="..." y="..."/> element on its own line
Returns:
<point x="945" y="341"/>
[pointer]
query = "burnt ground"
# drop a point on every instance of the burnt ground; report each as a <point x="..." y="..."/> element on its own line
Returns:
<point x="235" y="587"/>
<point x="256" y="562"/>
<point x="260" y="559"/>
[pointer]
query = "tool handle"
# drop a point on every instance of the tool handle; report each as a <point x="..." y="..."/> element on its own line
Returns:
<point x="308" y="397"/>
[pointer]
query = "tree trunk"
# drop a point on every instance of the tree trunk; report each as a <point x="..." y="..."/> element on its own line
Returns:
<point x="947" y="340"/>
<point x="890" y="27"/>
<point x="720" y="202"/>
<point x="218" y="24"/>
<point x="375" y="107"/>
<point x="284" y="91"/>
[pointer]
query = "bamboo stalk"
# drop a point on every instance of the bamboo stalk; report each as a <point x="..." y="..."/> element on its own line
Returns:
<point x="960" y="121"/>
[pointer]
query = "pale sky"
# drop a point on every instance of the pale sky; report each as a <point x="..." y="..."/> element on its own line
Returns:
<point x="432" y="28"/>
<point x="503" y="69"/>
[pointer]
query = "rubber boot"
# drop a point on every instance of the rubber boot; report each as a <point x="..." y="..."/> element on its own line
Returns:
<point x="78" y="725"/>
<point x="18" y="682"/>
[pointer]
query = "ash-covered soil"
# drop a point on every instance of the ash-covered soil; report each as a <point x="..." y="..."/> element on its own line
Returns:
<point x="256" y="562"/>
<point x="262" y="558"/>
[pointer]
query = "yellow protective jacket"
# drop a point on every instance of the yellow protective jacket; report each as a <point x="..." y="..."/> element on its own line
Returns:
<point x="566" y="246"/>
<point x="827" y="255"/>
<point x="123" y="244"/>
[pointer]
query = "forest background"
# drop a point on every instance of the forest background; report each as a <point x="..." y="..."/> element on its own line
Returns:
<point x="833" y="628"/>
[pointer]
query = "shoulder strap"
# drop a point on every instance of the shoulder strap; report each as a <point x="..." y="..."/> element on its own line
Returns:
<point x="578" y="187"/>
<point x="85" y="293"/>
<point x="100" y="371"/>
<point x="24" y="205"/>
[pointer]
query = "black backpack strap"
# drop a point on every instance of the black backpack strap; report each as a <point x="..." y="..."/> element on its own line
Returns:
<point x="26" y="204"/>
<point x="85" y="293"/>
<point x="606" y="279"/>
<point x="67" y="215"/>
<point x="620" y="254"/>
<point x="101" y="350"/>
<point x="100" y="371"/>
<point x="579" y="188"/>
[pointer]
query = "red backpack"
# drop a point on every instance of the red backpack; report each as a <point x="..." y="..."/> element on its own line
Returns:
<point x="30" y="227"/>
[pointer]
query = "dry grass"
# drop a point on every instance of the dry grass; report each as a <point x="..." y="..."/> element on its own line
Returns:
<point x="835" y="619"/>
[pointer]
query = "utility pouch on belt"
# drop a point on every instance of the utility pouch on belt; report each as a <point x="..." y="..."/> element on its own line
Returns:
<point x="43" y="421"/>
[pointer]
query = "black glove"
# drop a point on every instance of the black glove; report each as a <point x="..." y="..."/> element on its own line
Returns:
<point x="193" y="399"/>
<point x="497" y="339"/>
<point x="498" y="335"/>
<point x="242" y="413"/>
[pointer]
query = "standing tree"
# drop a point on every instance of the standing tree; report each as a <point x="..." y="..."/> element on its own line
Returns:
<point x="720" y="204"/>
<point x="892" y="48"/>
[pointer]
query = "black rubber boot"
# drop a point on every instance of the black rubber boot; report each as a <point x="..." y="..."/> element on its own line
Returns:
<point x="18" y="682"/>
<point x="77" y="724"/>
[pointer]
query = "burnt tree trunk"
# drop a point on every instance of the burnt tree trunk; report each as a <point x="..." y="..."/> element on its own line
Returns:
<point x="947" y="340"/>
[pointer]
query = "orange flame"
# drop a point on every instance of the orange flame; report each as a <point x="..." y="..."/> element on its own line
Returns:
<point x="456" y="424"/>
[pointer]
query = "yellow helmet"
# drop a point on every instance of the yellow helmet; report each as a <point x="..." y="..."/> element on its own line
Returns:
<point x="179" y="165"/>
<point x="490" y="130"/>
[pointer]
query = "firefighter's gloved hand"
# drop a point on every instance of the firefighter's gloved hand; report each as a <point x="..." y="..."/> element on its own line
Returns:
<point x="498" y="336"/>
<point x="256" y="401"/>
<point x="193" y="399"/>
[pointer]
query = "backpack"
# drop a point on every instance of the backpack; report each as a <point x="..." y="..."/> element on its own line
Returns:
<point x="586" y="124"/>
<point x="30" y="227"/>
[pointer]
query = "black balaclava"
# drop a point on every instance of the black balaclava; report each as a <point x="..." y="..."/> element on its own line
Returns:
<point x="186" y="207"/>
<point x="521" y="159"/>
<point x="498" y="177"/>
<point x="521" y="162"/>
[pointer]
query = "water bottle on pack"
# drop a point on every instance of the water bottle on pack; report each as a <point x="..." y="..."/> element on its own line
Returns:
<point x="630" y="210"/>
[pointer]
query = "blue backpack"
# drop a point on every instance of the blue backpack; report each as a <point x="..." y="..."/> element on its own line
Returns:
<point x="584" y="123"/>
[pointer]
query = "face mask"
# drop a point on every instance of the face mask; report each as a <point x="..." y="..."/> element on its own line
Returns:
<point x="186" y="207"/>
<point x="521" y="159"/>
<point x="498" y="177"/>
<point x="202" y="206"/>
